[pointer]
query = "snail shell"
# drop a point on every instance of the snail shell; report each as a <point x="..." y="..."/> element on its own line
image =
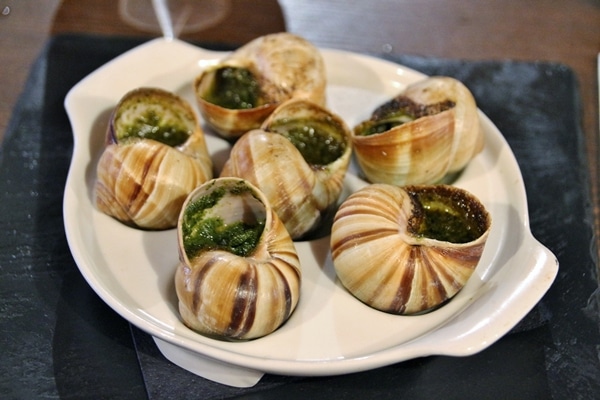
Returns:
<point x="304" y="180"/>
<point x="242" y="285"/>
<point x="155" y="156"/>
<point x="429" y="131"/>
<point x="239" y="93"/>
<point x="408" y="250"/>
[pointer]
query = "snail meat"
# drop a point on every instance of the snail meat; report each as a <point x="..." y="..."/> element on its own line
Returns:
<point x="154" y="157"/>
<point x="239" y="272"/>
<point x="408" y="250"/>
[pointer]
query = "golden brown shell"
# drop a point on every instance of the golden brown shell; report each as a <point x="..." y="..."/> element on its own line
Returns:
<point x="299" y="190"/>
<point x="439" y="136"/>
<point x="141" y="181"/>
<point x="227" y="295"/>
<point x="388" y="252"/>
<point x="284" y="65"/>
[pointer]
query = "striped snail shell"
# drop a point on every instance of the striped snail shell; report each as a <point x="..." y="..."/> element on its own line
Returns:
<point x="298" y="160"/>
<point x="408" y="250"/>
<point x="154" y="157"/>
<point x="239" y="273"/>
<point x="428" y="132"/>
<point x="240" y="92"/>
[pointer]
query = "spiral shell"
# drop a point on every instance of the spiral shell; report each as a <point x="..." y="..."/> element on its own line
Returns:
<point x="298" y="159"/>
<point x="428" y="132"/>
<point x="239" y="273"/>
<point x="239" y="93"/>
<point x="408" y="250"/>
<point x="155" y="156"/>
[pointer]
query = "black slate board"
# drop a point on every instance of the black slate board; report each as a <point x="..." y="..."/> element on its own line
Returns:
<point x="59" y="340"/>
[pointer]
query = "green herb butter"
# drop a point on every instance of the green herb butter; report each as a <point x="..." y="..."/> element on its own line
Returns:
<point x="150" y="125"/>
<point x="384" y="125"/>
<point x="234" y="88"/>
<point x="312" y="138"/>
<point x="202" y="233"/>
<point x="447" y="219"/>
<point x="399" y="111"/>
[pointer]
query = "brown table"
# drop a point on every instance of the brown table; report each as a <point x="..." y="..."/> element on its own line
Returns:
<point x="566" y="32"/>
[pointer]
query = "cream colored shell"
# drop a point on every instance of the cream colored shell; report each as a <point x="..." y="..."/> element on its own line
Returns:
<point x="381" y="259"/>
<point x="227" y="296"/>
<point x="298" y="191"/>
<point x="143" y="182"/>
<point x="287" y="66"/>
<point x="468" y="135"/>
<point x="429" y="148"/>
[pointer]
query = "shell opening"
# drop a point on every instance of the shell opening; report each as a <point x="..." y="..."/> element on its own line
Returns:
<point x="224" y="217"/>
<point x="153" y="114"/>
<point x="398" y="111"/>
<point x="446" y="214"/>
<point x="320" y="141"/>
<point x="233" y="88"/>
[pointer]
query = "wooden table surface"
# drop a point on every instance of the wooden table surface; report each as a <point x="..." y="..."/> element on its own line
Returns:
<point x="567" y="32"/>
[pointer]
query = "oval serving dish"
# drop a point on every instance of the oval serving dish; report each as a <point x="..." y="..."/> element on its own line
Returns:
<point x="330" y="332"/>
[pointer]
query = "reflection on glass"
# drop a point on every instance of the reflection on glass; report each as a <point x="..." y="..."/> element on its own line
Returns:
<point x="186" y="16"/>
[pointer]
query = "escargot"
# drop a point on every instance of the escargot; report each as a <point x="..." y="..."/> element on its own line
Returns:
<point x="408" y="250"/>
<point x="427" y="133"/>
<point x="239" y="273"/>
<point x="239" y="93"/>
<point x="299" y="159"/>
<point x="155" y="155"/>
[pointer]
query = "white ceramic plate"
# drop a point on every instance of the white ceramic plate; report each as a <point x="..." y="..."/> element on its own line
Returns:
<point x="330" y="332"/>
